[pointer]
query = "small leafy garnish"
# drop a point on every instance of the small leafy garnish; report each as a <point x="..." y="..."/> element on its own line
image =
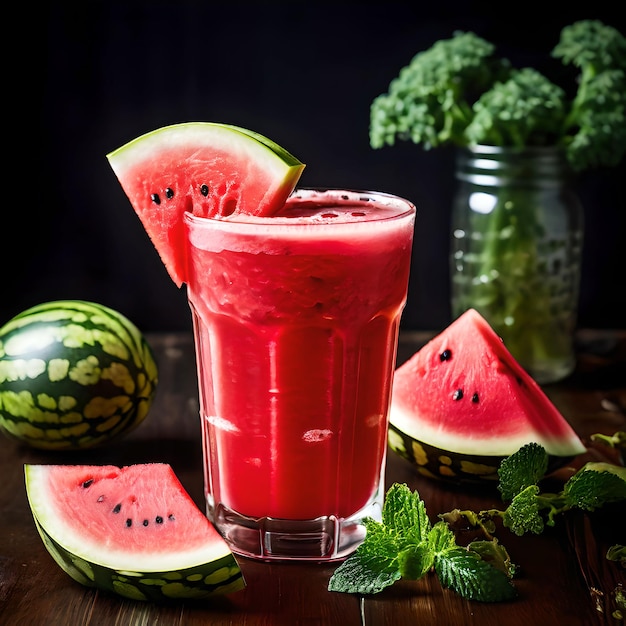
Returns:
<point x="405" y="545"/>
<point x="524" y="468"/>
<point x="589" y="489"/>
<point x="529" y="509"/>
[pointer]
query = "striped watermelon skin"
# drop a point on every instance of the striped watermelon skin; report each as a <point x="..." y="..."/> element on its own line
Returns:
<point x="221" y="576"/>
<point x="73" y="374"/>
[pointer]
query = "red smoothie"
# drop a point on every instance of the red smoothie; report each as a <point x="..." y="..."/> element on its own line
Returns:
<point x="296" y="322"/>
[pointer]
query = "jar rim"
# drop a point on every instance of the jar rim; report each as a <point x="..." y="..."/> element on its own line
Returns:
<point x="487" y="149"/>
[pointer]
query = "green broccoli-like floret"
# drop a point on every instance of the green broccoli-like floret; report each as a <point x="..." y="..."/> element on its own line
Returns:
<point x="594" y="130"/>
<point x="591" y="46"/>
<point x="459" y="92"/>
<point x="430" y="102"/>
<point x="527" y="109"/>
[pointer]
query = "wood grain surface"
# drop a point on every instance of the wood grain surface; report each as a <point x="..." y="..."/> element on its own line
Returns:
<point x="552" y="584"/>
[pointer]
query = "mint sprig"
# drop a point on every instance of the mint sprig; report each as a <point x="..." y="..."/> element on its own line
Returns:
<point x="529" y="509"/>
<point x="406" y="545"/>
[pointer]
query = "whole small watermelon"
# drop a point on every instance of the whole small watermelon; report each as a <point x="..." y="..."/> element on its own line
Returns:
<point x="73" y="374"/>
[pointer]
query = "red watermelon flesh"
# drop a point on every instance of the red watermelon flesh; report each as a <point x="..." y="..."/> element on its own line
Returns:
<point x="137" y="517"/>
<point x="208" y="169"/>
<point x="464" y="392"/>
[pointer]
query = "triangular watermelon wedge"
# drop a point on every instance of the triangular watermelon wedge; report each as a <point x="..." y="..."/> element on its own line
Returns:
<point x="132" y="530"/>
<point x="464" y="398"/>
<point x="208" y="169"/>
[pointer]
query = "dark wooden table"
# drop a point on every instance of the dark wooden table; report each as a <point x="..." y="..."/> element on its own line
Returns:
<point x="551" y="584"/>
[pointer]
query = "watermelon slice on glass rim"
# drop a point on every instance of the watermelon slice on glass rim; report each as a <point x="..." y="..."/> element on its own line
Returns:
<point x="206" y="168"/>
<point x="462" y="403"/>
<point x="133" y="531"/>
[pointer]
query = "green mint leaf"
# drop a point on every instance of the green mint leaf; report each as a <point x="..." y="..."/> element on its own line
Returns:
<point x="441" y="538"/>
<point x="373" y="566"/>
<point x="393" y="548"/>
<point x="404" y="514"/>
<point x="363" y="572"/>
<point x="522" y="514"/>
<point x="522" y="469"/>
<point x="590" y="489"/>
<point x="495" y="554"/>
<point x="415" y="561"/>
<point x="467" y="574"/>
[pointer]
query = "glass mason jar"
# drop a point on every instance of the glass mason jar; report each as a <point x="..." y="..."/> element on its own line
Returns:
<point x="517" y="232"/>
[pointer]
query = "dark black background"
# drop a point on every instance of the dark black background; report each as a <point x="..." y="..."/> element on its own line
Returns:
<point x="99" y="73"/>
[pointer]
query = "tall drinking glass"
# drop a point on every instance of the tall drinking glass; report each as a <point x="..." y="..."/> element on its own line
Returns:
<point x="296" y="320"/>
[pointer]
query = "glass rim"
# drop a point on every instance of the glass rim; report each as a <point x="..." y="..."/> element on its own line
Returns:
<point x="333" y="195"/>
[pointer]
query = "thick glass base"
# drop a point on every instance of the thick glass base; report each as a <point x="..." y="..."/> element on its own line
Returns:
<point x="270" y="539"/>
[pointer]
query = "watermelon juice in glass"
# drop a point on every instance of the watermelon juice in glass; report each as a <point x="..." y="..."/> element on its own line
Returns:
<point x="296" y="320"/>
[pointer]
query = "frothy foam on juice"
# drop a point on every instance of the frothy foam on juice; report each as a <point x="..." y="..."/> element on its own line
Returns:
<point x="353" y="215"/>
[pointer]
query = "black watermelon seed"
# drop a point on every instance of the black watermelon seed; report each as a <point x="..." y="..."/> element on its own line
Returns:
<point x="171" y="517"/>
<point x="169" y="193"/>
<point x="129" y="523"/>
<point x="158" y="519"/>
<point x="204" y="190"/>
<point x="458" y="394"/>
<point x="446" y="355"/>
<point x="117" y="508"/>
<point x="155" y="198"/>
<point x="145" y="522"/>
<point x="475" y="398"/>
<point x="88" y="483"/>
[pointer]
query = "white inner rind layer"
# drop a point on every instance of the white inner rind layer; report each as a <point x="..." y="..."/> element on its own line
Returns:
<point x="409" y="424"/>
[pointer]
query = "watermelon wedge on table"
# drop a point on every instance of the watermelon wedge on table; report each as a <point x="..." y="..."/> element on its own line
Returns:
<point x="462" y="403"/>
<point x="208" y="169"/>
<point x="133" y="531"/>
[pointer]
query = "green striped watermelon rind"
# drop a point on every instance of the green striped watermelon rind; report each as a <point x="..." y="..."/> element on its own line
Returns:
<point x="281" y="154"/>
<point x="218" y="577"/>
<point x="454" y="467"/>
<point x="73" y="374"/>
